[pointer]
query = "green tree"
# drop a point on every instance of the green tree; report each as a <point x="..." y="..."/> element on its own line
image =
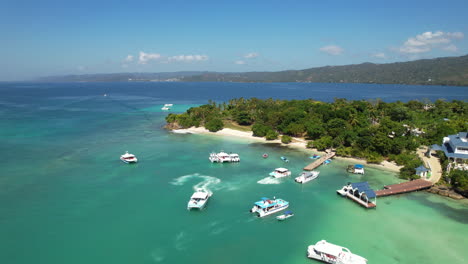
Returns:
<point x="272" y="135"/>
<point x="286" y="139"/>
<point x="214" y="125"/>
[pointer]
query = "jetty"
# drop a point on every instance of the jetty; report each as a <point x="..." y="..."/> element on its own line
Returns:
<point x="404" y="187"/>
<point x="319" y="161"/>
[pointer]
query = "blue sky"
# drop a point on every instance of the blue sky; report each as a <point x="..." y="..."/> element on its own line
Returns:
<point x="41" y="38"/>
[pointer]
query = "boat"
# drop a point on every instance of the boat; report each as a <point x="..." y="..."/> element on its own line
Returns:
<point x="128" y="158"/>
<point x="307" y="176"/>
<point x="168" y="105"/>
<point x="330" y="253"/>
<point x="280" y="173"/>
<point x="285" y="216"/>
<point x="358" y="169"/>
<point x="284" y="159"/>
<point x="326" y="162"/>
<point x="198" y="199"/>
<point x="266" y="206"/>
<point x="222" y="157"/>
<point x="165" y="108"/>
<point x="265" y="155"/>
<point x="315" y="156"/>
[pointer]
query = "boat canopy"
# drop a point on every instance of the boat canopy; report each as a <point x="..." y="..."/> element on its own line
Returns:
<point x="281" y="170"/>
<point x="359" y="166"/>
<point x="328" y="248"/>
<point x="288" y="212"/>
<point x="364" y="187"/>
<point x="199" y="195"/>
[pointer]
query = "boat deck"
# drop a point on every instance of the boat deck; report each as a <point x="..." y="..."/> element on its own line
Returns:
<point x="319" y="162"/>
<point x="404" y="187"/>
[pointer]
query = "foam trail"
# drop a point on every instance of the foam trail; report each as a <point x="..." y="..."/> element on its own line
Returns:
<point x="269" y="180"/>
<point x="207" y="181"/>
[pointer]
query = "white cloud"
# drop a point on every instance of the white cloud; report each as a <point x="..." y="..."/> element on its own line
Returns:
<point x="188" y="58"/>
<point x="379" y="55"/>
<point x="427" y="41"/>
<point x="240" y="62"/>
<point x="251" y="55"/>
<point x="129" y="58"/>
<point x="332" y="49"/>
<point x="144" y="58"/>
<point x="451" y="48"/>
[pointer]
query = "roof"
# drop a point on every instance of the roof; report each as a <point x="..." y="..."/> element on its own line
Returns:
<point x="359" y="166"/>
<point x="436" y="147"/>
<point x="328" y="248"/>
<point x="422" y="169"/>
<point x="364" y="187"/>
<point x="447" y="148"/>
<point x="459" y="140"/>
<point x="199" y="195"/>
<point x="281" y="169"/>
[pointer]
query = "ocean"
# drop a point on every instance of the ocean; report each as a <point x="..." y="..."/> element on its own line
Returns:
<point x="65" y="197"/>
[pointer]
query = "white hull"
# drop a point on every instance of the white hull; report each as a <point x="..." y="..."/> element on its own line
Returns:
<point x="198" y="205"/>
<point x="129" y="161"/>
<point x="343" y="256"/>
<point x="263" y="213"/>
<point x="302" y="179"/>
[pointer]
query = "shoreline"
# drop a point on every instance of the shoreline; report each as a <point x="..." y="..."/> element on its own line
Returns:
<point x="297" y="143"/>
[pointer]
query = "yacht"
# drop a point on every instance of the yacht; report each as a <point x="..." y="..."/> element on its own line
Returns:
<point x="224" y="157"/>
<point x="128" y="158"/>
<point x="165" y="108"/>
<point x="280" y="172"/>
<point x="266" y="206"/>
<point x="330" y="253"/>
<point x="307" y="176"/>
<point x="198" y="199"/>
<point x="168" y="105"/>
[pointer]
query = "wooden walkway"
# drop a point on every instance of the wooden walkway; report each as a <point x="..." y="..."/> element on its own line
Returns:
<point x="361" y="202"/>
<point x="404" y="187"/>
<point x="319" y="161"/>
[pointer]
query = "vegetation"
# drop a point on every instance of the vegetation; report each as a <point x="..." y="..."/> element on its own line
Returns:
<point x="459" y="181"/>
<point x="286" y="139"/>
<point x="374" y="130"/>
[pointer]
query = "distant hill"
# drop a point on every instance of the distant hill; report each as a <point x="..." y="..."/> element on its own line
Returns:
<point x="439" y="71"/>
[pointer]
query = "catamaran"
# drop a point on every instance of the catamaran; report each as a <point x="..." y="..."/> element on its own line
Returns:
<point x="198" y="199"/>
<point x="330" y="253"/>
<point x="280" y="173"/>
<point x="224" y="157"/>
<point x="307" y="176"/>
<point x="266" y="206"/>
<point x="128" y="158"/>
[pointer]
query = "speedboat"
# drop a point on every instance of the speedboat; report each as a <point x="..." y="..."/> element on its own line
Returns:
<point x="198" y="199"/>
<point x="284" y="159"/>
<point x="128" y="158"/>
<point x="315" y="156"/>
<point x="307" y="176"/>
<point x="280" y="172"/>
<point x="224" y="157"/>
<point x="285" y="216"/>
<point x="326" y="162"/>
<point x="266" y="206"/>
<point x="165" y="108"/>
<point x="168" y="105"/>
<point x="330" y="253"/>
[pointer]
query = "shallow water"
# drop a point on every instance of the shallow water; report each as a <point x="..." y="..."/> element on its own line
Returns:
<point x="66" y="198"/>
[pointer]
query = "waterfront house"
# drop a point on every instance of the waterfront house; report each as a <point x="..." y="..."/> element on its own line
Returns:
<point x="455" y="148"/>
<point x="422" y="171"/>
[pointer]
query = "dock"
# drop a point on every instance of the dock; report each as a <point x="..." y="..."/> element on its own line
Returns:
<point x="361" y="202"/>
<point x="319" y="161"/>
<point x="404" y="187"/>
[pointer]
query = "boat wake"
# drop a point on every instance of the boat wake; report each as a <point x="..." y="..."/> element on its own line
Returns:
<point x="269" y="180"/>
<point x="207" y="183"/>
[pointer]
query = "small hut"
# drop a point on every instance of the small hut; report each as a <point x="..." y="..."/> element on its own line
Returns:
<point x="422" y="171"/>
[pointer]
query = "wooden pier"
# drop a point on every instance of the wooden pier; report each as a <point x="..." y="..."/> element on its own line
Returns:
<point x="361" y="202"/>
<point x="319" y="161"/>
<point x="404" y="187"/>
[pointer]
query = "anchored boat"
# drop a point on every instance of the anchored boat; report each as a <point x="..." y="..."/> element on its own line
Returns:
<point x="307" y="176"/>
<point x="284" y="159"/>
<point x="280" y="173"/>
<point x="198" y="199"/>
<point x="224" y="157"/>
<point x="128" y="158"/>
<point x="285" y="216"/>
<point x="330" y="253"/>
<point x="266" y="206"/>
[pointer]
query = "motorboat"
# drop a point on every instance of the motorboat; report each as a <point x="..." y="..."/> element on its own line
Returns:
<point x="198" y="199"/>
<point x="128" y="158"/>
<point x="222" y="157"/>
<point x="284" y="159"/>
<point x="330" y="253"/>
<point x="168" y="105"/>
<point x="315" y="156"/>
<point x="285" y="216"/>
<point x="307" y="176"/>
<point x="326" y="162"/>
<point x="266" y="206"/>
<point x="165" y="108"/>
<point x="280" y="173"/>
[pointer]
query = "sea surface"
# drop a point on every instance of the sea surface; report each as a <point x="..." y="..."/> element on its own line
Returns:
<point x="65" y="197"/>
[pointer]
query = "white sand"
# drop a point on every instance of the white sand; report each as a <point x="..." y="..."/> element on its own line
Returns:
<point x="297" y="143"/>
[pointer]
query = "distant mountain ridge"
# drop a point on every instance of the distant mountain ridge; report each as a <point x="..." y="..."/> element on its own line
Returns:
<point x="438" y="71"/>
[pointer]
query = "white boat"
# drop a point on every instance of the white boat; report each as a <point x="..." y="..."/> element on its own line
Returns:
<point x="128" y="158"/>
<point x="307" y="176"/>
<point x="224" y="157"/>
<point x="266" y="206"/>
<point x="168" y="105"/>
<point x="285" y="216"/>
<point x="330" y="253"/>
<point x="198" y="199"/>
<point x="165" y="108"/>
<point x="280" y="172"/>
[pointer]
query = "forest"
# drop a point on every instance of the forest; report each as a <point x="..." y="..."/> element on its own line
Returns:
<point x="374" y="130"/>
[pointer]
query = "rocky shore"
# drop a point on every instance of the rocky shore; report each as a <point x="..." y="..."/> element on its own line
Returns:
<point x="445" y="191"/>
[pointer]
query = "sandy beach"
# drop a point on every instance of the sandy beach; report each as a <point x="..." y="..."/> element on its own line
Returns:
<point x="297" y="143"/>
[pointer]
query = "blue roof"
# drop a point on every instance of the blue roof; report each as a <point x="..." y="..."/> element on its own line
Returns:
<point x="358" y="166"/>
<point x="457" y="141"/>
<point x="288" y="212"/>
<point x="436" y="147"/>
<point x="421" y="169"/>
<point x="364" y="187"/>
<point x="451" y="154"/>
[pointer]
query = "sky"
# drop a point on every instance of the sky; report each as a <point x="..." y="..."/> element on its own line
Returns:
<point x="45" y="38"/>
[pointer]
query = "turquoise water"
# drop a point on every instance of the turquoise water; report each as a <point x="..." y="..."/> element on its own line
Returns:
<point x="66" y="198"/>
